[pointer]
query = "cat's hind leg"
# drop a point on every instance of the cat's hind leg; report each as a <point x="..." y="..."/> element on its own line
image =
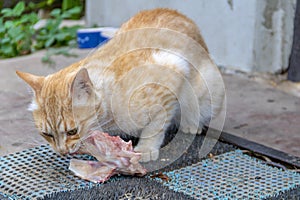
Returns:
<point x="199" y="103"/>
<point x="190" y="118"/>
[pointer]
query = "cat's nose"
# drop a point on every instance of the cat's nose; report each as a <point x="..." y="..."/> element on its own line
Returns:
<point x="62" y="151"/>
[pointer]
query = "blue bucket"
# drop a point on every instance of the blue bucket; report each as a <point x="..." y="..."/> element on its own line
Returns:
<point x="93" y="37"/>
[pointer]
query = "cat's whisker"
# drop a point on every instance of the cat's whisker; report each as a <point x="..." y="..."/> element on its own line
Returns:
<point x="99" y="126"/>
<point x="112" y="127"/>
<point x="31" y="121"/>
<point x="102" y="124"/>
<point x="33" y="142"/>
<point x="82" y="139"/>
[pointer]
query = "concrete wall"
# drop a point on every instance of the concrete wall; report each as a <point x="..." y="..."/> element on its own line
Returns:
<point x="273" y="34"/>
<point x="249" y="35"/>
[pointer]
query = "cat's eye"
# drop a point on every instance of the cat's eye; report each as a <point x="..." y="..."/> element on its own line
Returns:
<point x="47" y="134"/>
<point x="72" y="132"/>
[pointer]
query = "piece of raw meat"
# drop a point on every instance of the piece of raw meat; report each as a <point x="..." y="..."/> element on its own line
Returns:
<point x="114" y="156"/>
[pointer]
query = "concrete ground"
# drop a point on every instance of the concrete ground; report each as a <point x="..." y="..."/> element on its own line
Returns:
<point x="255" y="110"/>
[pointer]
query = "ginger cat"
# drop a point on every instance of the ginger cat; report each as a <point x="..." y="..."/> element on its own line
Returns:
<point x="130" y="86"/>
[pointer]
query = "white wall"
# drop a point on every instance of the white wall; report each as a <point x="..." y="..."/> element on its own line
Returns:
<point x="250" y="35"/>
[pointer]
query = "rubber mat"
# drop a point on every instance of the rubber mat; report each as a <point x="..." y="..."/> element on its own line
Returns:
<point x="39" y="173"/>
<point x="36" y="172"/>
<point x="232" y="175"/>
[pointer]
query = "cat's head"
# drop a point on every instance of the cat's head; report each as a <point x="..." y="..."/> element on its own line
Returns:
<point x="63" y="107"/>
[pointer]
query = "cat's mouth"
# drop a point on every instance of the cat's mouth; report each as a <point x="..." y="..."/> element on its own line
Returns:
<point x="78" y="148"/>
<point x="75" y="149"/>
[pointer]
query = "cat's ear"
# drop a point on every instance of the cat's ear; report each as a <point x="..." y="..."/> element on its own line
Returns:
<point x="82" y="87"/>
<point x="35" y="82"/>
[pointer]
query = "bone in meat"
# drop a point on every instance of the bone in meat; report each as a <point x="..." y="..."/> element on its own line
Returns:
<point x="114" y="156"/>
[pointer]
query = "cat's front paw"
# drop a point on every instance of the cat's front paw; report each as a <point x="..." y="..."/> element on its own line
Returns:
<point x="148" y="154"/>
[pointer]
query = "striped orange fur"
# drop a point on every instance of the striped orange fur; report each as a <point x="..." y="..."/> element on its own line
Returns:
<point x="138" y="92"/>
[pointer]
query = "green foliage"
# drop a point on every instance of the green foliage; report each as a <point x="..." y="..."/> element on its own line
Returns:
<point x="67" y="4"/>
<point x="18" y="36"/>
<point x="52" y="34"/>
